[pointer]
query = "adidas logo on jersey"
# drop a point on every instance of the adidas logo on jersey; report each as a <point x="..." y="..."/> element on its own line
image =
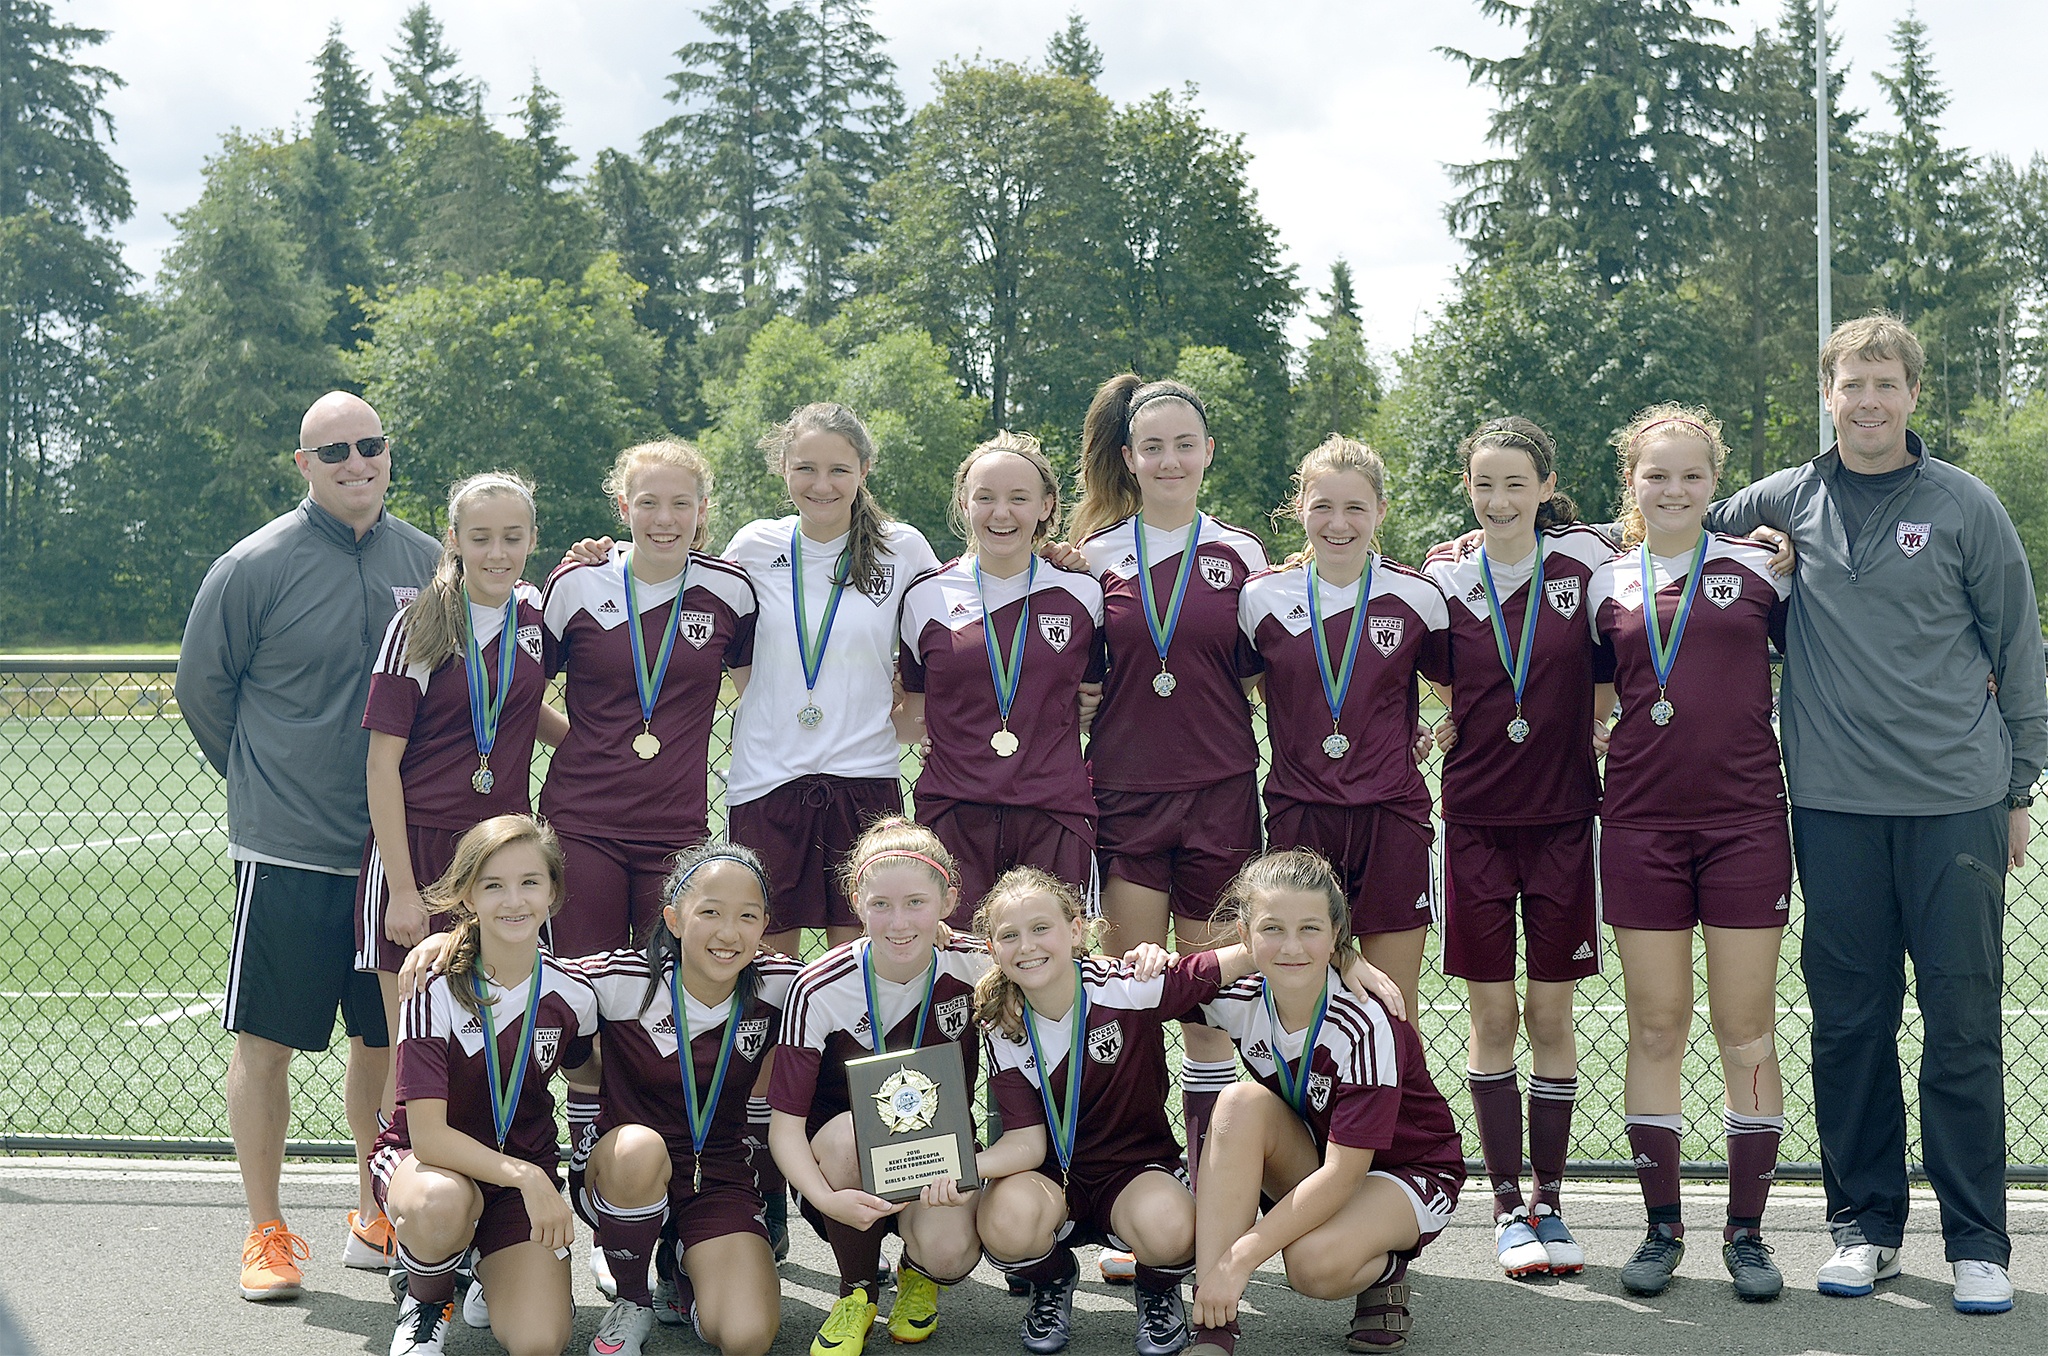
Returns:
<point x="1585" y="951"/>
<point x="1258" y="1050"/>
<point x="607" y="606"/>
<point x="473" y="1027"/>
<point x="1298" y="612"/>
<point x="666" y="1026"/>
<point x="1783" y="905"/>
<point x="781" y="562"/>
<point x="1473" y="595"/>
<point x="959" y="610"/>
<point x="1129" y="559"/>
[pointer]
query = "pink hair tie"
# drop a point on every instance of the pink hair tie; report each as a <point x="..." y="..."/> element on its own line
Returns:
<point x="861" y="874"/>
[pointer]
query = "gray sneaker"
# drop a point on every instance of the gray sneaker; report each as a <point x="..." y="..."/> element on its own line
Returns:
<point x="624" y="1330"/>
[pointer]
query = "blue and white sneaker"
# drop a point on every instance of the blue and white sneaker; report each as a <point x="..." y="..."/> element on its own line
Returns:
<point x="1567" y="1256"/>
<point x="1521" y="1252"/>
<point x="1856" y="1267"/>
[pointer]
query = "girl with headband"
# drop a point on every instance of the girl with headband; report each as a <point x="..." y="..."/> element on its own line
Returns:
<point x="1520" y="790"/>
<point x="646" y="638"/>
<point x="1693" y="829"/>
<point x="469" y="1160"/>
<point x="995" y="649"/>
<point x="1342" y="633"/>
<point x="1171" y="750"/>
<point x="454" y="709"/>
<point x="690" y="1026"/>
<point x="1341" y="1136"/>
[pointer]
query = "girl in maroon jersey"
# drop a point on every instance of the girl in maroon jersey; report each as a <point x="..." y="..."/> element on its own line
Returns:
<point x="903" y="984"/>
<point x="1107" y="1168"/>
<point x="1171" y="750"/>
<point x="470" y="1158"/>
<point x="995" y="650"/>
<point x="1693" y="828"/>
<point x="1520" y="789"/>
<point x="645" y="639"/>
<point x="455" y="707"/>
<point x="1343" y="1141"/>
<point x="1343" y="632"/>
<point x="674" y="1160"/>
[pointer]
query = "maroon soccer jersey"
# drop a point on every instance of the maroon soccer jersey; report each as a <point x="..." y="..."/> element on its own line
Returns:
<point x="1202" y="733"/>
<point x="430" y="711"/>
<point x="643" y="1080"/>
<point x="1551" y="777"/>
<point x="441" y="1056"/>
<point x="826" y="1023"/>
<point x="1405" y="629"/>
<point x="943" y="656"/>
<point x="596" y="784"/>
<point x="1717" y="761"/>
<point x="1124" y="1084"/>
<point x="1368" y="1082"/>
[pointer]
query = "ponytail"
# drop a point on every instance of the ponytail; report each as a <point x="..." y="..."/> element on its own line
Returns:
<point x="867" y="538"/>
<point x="1109" y="492"/>
<point x="1525" y="436"/>
<point x="1334" y="453"/>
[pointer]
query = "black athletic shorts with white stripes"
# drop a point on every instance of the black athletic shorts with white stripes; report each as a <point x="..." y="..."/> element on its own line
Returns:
<point x="293" y="959"/>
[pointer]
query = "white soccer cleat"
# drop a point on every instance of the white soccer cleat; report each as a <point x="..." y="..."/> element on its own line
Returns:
<point x="476" y="1310"/>
<point x="1982" y="1287"/>
<point x="1521" y="1252"/>
<point x="422" y="1328"/>
<point x="1856" y="1267"/>
<point x="1567" y="1255"/>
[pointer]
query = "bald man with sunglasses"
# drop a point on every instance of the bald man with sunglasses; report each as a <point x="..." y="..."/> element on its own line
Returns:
<point x="273" y="676"/>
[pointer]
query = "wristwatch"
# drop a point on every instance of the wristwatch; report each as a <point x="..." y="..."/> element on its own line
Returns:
<point x="2019" y="800"/>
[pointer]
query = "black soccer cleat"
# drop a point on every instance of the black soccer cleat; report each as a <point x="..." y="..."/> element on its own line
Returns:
<point x="1049" y="1317"/>
<point x="1749" y="1263"/>
<point x="1657" y="1257"/>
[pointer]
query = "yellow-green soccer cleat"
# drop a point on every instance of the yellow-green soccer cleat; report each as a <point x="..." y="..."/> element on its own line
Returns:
<point x="915" y="1315"/>
<point x="846" y="1328"/>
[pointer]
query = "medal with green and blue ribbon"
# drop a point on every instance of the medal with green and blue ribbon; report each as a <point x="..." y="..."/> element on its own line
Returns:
<point x="504" y="1093"/>
<point x="486" y="706"/>
<point x="647" y="677"/>
<point x="1662" y="655"/>
<point x="812" y="652"/>
<point x="1294" y="1081"/>
<point x="1515" y="662"/>
<point x="1162" y="630"/>
<point x="701" y="1113"/>
<point x="1006" y="672"/>
<point x="1063" y="1127"/>
<point x="1337" y="677"/>
<point x="924" y="1010"/>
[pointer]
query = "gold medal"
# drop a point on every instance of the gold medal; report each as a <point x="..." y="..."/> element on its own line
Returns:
<point x="1003" y="742"/>
<point x="645" y="745"/>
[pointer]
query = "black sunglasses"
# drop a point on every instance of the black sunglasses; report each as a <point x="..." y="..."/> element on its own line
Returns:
<point x="331" y="453"/>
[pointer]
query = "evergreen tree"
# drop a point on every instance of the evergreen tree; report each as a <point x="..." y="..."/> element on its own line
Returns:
<point x="852" y="126"/>
<point x="558" y="232"/>
<point x="60" y="273"/>
<point x="646" y="217"/>
<point x="1609" y="118"/>
<point x="342" y="100"/>
<point x="1072" y="53"/>
<point x="422" y="66"/>
<point x="2019" y="203"/>
<point x="1340" y="386"/>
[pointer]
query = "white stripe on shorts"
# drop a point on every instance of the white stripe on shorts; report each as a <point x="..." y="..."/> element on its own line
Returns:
<point x="372" y="910"/>
<point x="245" y="886"/>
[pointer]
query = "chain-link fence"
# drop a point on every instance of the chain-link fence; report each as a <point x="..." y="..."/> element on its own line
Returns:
<point x="113" y="866"/>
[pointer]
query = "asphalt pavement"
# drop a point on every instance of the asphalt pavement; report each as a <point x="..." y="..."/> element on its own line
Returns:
<point x="142" y="1257"/>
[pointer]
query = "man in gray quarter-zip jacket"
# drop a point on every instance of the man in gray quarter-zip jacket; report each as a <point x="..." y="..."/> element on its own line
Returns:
<point x="273" y="676"/>
<point x="1915" y="719"/>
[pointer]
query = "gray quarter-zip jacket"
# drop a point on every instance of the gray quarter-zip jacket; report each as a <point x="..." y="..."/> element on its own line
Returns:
<point x="1884" y="708"/>
<point x="274" y="672"/>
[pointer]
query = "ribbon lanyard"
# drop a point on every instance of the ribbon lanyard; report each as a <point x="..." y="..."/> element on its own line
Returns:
<point x="1162" y="630"/>
<point x="504" y="1094"/>
<point x="1515" y="662"/>
<point x="1064" y="1128"/>
<point x="485" y="706"/>
<point x="1294" y="1081"/>
<point x="924" y="1010"/>
<point x="647" y="677"/>
<point x="1663" y="656"/>
<point x="700" y="1112"/>
<point x="1337" y="683"/>
<point x="812" y="653"/>
<point x="1007" y="674"/>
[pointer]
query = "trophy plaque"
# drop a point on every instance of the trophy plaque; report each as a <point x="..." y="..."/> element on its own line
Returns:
<point x="913" y="1120"/>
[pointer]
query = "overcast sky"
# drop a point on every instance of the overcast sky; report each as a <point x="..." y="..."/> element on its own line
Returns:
<point x="1348" y="112"/>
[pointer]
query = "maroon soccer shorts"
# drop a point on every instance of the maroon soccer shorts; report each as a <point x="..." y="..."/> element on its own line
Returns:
<point x="503" y="1224"/>
<point x="802" y="831"/>
<point x="1550" y="867"/>
<point x="1728" y="876"/>
<point x="1432" y="1195"/>
<point x="614" y="892"/>
<point x="1185" y="844"/>
<point x="723" y="1207"/>
<point x="987" y="840"/>
<point x="1381" y="858"/>
<point x="431" y="852"/>
<point x="1091" y="1199"/>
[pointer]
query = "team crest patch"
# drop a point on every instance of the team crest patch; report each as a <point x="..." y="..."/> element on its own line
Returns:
<point x="751" y="1038"/>
<point x="1215" y="572"/>
<point x="403" y="596"/>
<point x="880" y="581"/>
<point x="1721" y="589"/>
<point x="1913" y="537"/>
<point x="1563" y="595"/>
<point x="1057" y="630"/>
<point x="953" y="1016"/>
<point x="547" y="1043"/>
<point x="1318" y="1090"/>
<point x="696" y="627"/>
<point x="1106" y="1042"/>
<point x="1386" y="633"/>
<point x="529" y="642"/>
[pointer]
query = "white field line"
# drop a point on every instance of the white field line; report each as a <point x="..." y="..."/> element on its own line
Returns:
<point x="210" y="1004"/>
<point x="125" y="840"/>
